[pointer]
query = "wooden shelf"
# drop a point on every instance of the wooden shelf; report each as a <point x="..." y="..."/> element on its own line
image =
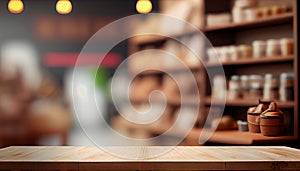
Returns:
<point x="267" y="21"/>
<point x="224" y="137"/>
<point x="246" y="138"/>
<point x="175" y="100"/>
<point x="239" y="138"/>
<point x="152" y="38"/>
<point x="149" y="72"/>
<point x="272" y="20"/>
<point x="246" y="103"/>
<point x="239" y="102"/>
<point x="153" y="128"/>
<point x="253" y="61"/>
<point x="167" y="69"/>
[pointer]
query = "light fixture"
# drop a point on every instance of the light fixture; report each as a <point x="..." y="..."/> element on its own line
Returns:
<point x="143" y="6"/>
<point x="15" y="6"/>
<point x="63" y="6"/>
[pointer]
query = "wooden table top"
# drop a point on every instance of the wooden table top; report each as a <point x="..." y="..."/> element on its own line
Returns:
<point x="179" y="158"/>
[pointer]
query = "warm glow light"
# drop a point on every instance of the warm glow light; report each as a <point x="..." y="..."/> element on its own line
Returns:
<point x="143" y="6"/>
<point x="63" y="6"/>
<point x="15" y="6"/>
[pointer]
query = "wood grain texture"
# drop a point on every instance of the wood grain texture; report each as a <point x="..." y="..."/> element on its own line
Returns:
<point x="179" y="158"/>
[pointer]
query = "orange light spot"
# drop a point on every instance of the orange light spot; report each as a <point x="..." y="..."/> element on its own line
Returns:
<point x="143" y="6"/>
<point x="63" y="6"/>
<point x="15" y="6"/>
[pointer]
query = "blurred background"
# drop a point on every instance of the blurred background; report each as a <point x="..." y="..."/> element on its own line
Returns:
<point x="41" y="40"/>
<point x="38" y="50"/>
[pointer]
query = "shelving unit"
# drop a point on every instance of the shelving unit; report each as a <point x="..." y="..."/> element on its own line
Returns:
<point x="150" y="39"/>
<point x="253" y="61"/>
<point x="169" y="69"/>
<point x="243" y="33"/>
<point x="230" y="34"/>
<point x="268" y="21"/>
<point x="246" y="103"/>
<point x="240" y="138"/>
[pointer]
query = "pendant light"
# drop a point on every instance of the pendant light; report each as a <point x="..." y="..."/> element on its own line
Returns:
<point x="63" y="6"/>
<point x="15" y="6"/>
<point x="143" y="6"/>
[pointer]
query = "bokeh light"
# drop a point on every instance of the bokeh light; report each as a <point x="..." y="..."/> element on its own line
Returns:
<point x="143" y="6"/>
<point x="63" y="6"/>
<point x="15" y="6"/>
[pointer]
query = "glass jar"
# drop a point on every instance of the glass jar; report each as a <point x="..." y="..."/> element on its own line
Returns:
<point x="255" y="86"/>
<point x="224" y="54"/>
<point x="219" y="87"/>
<point x="259" y="48"/>
<point x="275" y="10"/>
<point x="245" y="3"/>
<point x="286" y="46"/>
<point x="234" y="88"/>
<point x="237" y="14"/>
<point x="245" y="51"/>
<point x="286" y="91"/>
<point x="266" y="11"/>
<point x="271" y="87"/>
<point x="250" y="14"/>
<point x="273" y="48"/>
<point x="234" y="53"/>
<point x="212" y="54"/>
<point x="244" y="81"/>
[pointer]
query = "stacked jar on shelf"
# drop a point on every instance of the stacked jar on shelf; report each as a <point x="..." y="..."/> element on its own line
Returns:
<point x="259" y="49"/>
<point x="248" y="10"/>
<point x="269" y="87"/>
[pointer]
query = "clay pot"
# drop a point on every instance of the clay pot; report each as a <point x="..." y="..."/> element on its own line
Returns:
<point x="253" y="116"/>
<point x="253" y="122"/>
<point x="271" y="121"/>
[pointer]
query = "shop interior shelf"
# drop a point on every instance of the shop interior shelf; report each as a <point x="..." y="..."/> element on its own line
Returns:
<point x="228" y="34"/>
<point x="272" y="20"/>
<point x="153" y="128"/>
<point x="245" y="103"/>
<point x="172" y="69"/>
<point x="176" y="101"/>
<point x="246" y="138"/>
<point x="266" y="21"/>
<point x="251" y="61"/>
<point x="153" y="38"/>
<point x="171" y="100"/>
<point x="224" y="136"/>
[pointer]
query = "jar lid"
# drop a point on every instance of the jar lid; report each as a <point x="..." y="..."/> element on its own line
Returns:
<point x="272" y="111"/>
<point x="287" y="76"/>
<point x="250" y="10"/>
<point x="244" y="47"/>
<point x="273" y="114"/>
<point x="272" y="41"/>
<point x="244" y="77"/>
<point x="255" y="86"/>
<point x="251" y="109"/>
<point x="286" y="40"/>
<point x="234" y="77"/>
<point x="255" y="77"/>
<point x="245" y="3"/>
<point x="268" y="76"/>
<point x="258" y="43"/>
